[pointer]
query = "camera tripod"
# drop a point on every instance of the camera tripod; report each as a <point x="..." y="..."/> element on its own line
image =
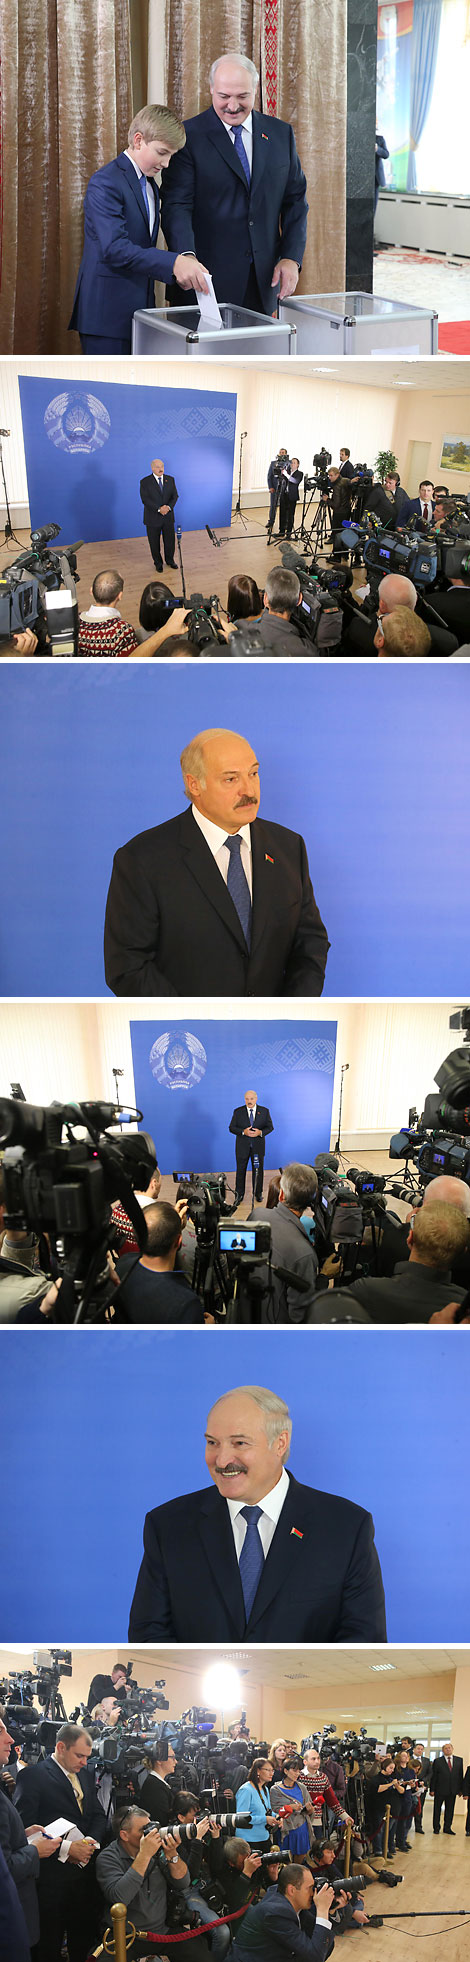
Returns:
<point x="316" y="535"/>
<point x="8" y="531"/>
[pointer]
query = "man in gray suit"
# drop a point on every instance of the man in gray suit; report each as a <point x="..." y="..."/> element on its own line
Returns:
<point x="291" y="1245"/>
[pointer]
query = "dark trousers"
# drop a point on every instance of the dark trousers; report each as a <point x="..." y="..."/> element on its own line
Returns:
<point x="101" y="344"/>
<point x="273" y="506"/>
<point x="158" y="529"/>
<point x="286" y="513"/>
<point x="245" y="1153"/>
<point x="252" y="296"/>
<point x="449" y="1805"/>
<point x="69" y="1903"/>
<point x="404" y="1822"/>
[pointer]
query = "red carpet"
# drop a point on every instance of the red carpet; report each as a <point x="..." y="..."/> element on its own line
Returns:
<point x="454" y="337"/>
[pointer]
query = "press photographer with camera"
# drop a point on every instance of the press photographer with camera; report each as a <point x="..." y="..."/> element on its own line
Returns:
<point x="277" y="630"/>
<point x="155" y="1790"/>
<point x="143" y="1870"/>
<point x="274" y="1924"/>
<point x="187" y="1811"/>
<point x="291" y="1247"/>
<point x="115" y="1685"/>
<point x="153" y="1289"/>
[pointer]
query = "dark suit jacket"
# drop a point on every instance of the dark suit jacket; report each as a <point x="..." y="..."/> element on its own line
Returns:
<point x="172" y="928"/>
<point x="120" y="260"/>
<point x="443" y="1782"/>
<point x="13" y="1933"/>
<point x="43" y="1793"/>
<point x="415" y="507"/>
<point x="23" y="1863"/>
<point x="292" y="1248"/>
<point x="263" y="1122"/>
<point x="411" y="1294"/>
<point x="153" y="497"/>
<point x="324" y="1586"/>
<point x="207" y="205"/>
<point x="402" y="507"/>
<point x="291" y="490"/>
<point x="270" y="1930"/>
<point x="347" y="469"/>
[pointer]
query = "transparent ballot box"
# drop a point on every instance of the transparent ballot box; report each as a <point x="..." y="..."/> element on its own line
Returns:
<point x="179" y="330"/>
<point x="359" y="323"/>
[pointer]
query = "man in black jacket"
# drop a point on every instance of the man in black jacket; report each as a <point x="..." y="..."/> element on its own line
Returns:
<point x="213" y="902"/>
<point x="60" y="1787"/>
<point x="22" y="1858"/>
<point x="437" y="1238"/>
<point x="290" y="485"/>
<point x="292" y="1248"/>
<point x="261" y="1558"/>
<point x="272" y="1926"/>
<point x="250" y="1124"/>
<point x="445" y="1784"/>
<point x="159" y="496"/>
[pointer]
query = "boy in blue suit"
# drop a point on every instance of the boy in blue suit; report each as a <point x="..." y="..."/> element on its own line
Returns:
<point x="120" y="259"/>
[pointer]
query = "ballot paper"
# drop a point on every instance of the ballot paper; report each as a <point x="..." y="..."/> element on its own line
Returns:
<point x="209" y="311"/>
<point x="63" y="1829"/>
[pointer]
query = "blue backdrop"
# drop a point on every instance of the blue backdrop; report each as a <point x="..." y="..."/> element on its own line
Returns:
<point x="188" y="1080"/>
<point x="112" y="1424"/>
<point x="369" y="762"/>
<point x="87" y="449"/>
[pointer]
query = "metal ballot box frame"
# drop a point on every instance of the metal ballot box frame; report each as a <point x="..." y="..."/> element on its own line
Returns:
<point x="179" y="330"/>
<point x="359" y="323"/>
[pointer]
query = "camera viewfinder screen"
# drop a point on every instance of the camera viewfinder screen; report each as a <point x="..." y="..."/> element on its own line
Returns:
<point x="232" y="1242"/>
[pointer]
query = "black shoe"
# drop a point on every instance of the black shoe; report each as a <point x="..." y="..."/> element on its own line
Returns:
<point x="158" y="565"/>
<point x="420" y="1830"/>
<point x="436" y="1831"/>
<point x="172" y="566"/>
<point x="450" y="1832"/>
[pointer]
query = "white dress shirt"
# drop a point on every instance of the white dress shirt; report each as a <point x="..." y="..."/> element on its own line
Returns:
<point x="151" y="194"/>
<point x="271" y="1508"/>
<point x="247" y="137"/>
<point x="215" y="839"/>
<point x="64" y="1849"/>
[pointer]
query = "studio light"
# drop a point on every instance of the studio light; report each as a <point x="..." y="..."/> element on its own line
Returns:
<point x="221" y="1687"/>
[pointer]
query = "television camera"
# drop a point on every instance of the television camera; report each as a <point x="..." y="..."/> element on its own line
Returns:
<point x="318" y="612"/>
<point x="20" y="1692"/>
<point x="62" y="1171"/>
<point x="204" y="1194"/>
<point x="438" y="1142"/>
<point x="38" y="590"/>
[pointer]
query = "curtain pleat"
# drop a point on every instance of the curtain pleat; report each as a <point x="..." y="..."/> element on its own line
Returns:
<point x="66" y="107"/>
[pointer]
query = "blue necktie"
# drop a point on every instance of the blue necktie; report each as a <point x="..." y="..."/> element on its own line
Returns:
<point x="241" y="152"/>
<point x="144" y="189"/>
<point x="238" y="885"/>
<point x="251" y="1561"/>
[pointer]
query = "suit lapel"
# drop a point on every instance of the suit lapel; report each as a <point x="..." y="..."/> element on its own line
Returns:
<point x="204" y="870"/>
<point x="265" y="884"/>
<point x="285" y="1552"/>
<point x="65" y="1793"/>
<point x="134" y="183"/>
<point x="217" y="1538"/>
<point x="217" y="134"/>
<point x="261" y="150"/>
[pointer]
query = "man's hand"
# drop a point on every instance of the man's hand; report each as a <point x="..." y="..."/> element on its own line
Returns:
<point x="190" y="274"/>
<point x="324" y="1900"/>
<point x="359" y="1916"/>
<point x="203" y="1827"/>
<point x="332" y="1266"/>
<point x="208" y="1317"/>
<point x="164" y="509"/>
<point x="214" y="1830"/>
<point x="288" y="272"/>
<point x="181" y="1208"/>
<point x="80" y="1852"/>
<point x="26" y="643"/>
<point x="448" y="1314"/>
<point x="45" y="1846"/>
<point x="253" y="1860"/>
<point x="149" y="1845"/>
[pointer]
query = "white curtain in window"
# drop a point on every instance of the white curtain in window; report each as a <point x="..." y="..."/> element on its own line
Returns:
<point x="443" y="156"/>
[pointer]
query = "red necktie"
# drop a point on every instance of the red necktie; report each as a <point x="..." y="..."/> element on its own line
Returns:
<point x="426" y="514"/>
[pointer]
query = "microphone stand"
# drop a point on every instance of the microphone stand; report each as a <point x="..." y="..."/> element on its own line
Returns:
<point x="180" y="556"/>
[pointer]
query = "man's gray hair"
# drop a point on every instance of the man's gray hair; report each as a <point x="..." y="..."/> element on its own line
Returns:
<point x="299" y="1184"/>
<point x="232" y="54"/>
<point x="282" y="589"/>
<point x="275" y="1411"/>
<point x="71" y="1733"/>
<point x="192" y="757"/>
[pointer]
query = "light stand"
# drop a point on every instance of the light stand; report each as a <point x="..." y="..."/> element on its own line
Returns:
<point x="117" y="1073"/>
<point x="8" y="531"/>
<point x="344" y="1067"/>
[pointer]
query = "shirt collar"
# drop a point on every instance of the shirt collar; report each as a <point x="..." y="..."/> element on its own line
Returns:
<point x="272" y="1503"/>
<point x="133" y="161"/>
<point x="213" y="834"/>
<point x="248" y="125"/>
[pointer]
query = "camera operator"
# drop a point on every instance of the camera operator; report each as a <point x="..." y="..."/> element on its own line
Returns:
<point x="142" y="1870"/>
<point x="378" y="503"/>
<point x="24" y="1287"/>
<point x="393" y="1248"/>
<point x="291" y="1246"/>
<point x="403" y="635"/>
<point x="281" y="598"/>
<point x="395" y="590"/>
<point x="277" y="465"/>
<point x="437" y="1237"/>
<point x="115" y="1685"/>
<point x="340" y="499"/>
<point x="274" y="1924"/>
<point x="152" y="1289"/>
<point x="454" y="605"/>
<point x="290" y="486"/>
<point x="195" y="1853"/>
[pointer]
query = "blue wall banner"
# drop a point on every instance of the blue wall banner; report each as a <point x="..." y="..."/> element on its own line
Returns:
<point x="189" y="1077"/>
<point x="87" y="449"/>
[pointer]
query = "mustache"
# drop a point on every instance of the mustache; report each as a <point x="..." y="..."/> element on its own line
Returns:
<point x="243" y="801"/>
<point x="222" y="1469"/>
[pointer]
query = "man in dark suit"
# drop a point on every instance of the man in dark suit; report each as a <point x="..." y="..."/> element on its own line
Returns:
<point x="437" y="1238"/>
<point x="214" y="902"/>
<point x="159" y="496"/>
<point x="454" y="605"/>
<point x="346" y="468"/>
<point x="422" y="507"/>
<point x="290" y="486"/>
<point x="401" y="510"/>
<point x="272" y="1928"/>
<point x="120" y="261"/>
<point x="13" y="1931"/>
<point x="237" y="195"/>
<point x="445" y="1784"/>
<point x="251" y="1124"/>
<point x="261" y="1559"/>
<point x="60" y="1787"/>
<point x="22" y="1858"/>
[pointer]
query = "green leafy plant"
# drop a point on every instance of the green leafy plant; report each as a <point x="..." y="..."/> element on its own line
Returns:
<point x="385" y="462"/>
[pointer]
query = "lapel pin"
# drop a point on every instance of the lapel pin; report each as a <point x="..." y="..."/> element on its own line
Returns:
<point x="264" y="136"/>
<point x="270" y="861"/>
<point x="294" y="1533"/>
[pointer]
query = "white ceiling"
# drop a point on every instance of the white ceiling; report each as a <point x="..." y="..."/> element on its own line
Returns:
<point x="443" y="376"/>
<point x="284" y="1668"/>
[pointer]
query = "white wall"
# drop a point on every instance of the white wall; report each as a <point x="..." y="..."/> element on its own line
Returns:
<point x="66" y="1050"/>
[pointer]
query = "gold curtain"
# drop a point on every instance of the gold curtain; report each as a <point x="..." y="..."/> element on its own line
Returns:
<point x="312" y="82"/>
<point x="66" y="107"/>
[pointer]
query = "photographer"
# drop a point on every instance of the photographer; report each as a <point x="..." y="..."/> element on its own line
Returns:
<point x="291" y="1246"/>
<point x="159" y="617"/>
<point x="278" y="464"/>
<point x="152" y="1291"/>
<point x="142" y="1870"/>
<point x="339" y="498"/>
<point x="273" y="1925"/>
<point x="195" y="1853"/>
<point x="437" y="1238"/>
<point x="290" y="485"/>
<point x="114" y="1685"/>
<point x="24" y="1287"/>
<point x="326" y="1866"/>
<point x="238" y="1872"/>
<point x="281" y="598"/>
